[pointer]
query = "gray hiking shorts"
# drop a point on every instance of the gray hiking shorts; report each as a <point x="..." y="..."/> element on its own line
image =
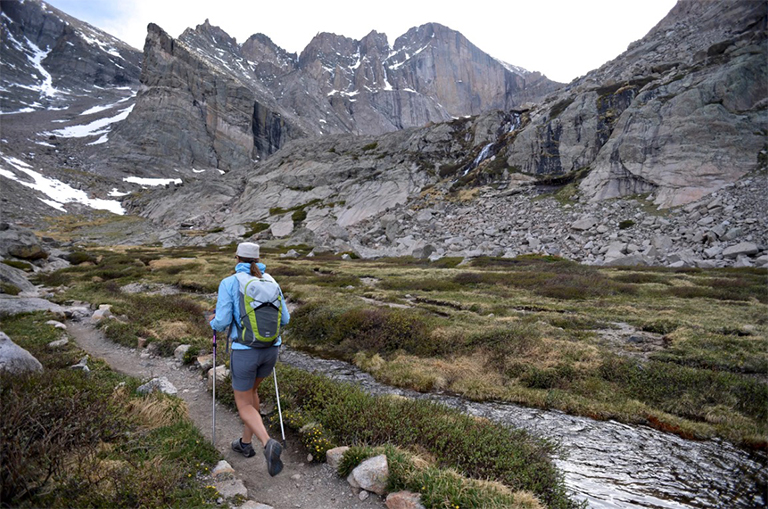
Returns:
<point x="248" y="365"/>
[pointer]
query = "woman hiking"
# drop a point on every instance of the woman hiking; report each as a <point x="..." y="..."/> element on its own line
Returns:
<point x="254" y="352"/>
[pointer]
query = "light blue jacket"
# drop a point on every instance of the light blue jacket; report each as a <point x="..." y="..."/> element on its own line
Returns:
<point x="228" y="306"/>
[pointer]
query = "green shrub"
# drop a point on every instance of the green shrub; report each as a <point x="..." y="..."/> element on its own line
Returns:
<point x="78" y="257"/>
<point x="382" y="330"/>
<point x="316" y="440"/>
<point x="642" y="278"/>
<point x="627" y="223"/>
<point x="559" y="377"/>
<point x="477" y="448"/>
<point x="370" y="146"/>
<point x="17" y="264"/>
<point x="515" y="339"/>
<point x="299" y="216"/>
<point x="660" y="326"/>
<point x="46" y="418"/>
<point x="254" y="228"/>
<point x="77" y="440"/>
<point x="686" y="391"/>
<point x="9" y="288"/>
<point x="422" y="284"/>
<point x="336" y="280"/>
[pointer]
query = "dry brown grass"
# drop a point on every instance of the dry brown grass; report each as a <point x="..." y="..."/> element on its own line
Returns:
<point x="153" y="411"/>
<point x="164" y="263"/>
<point x="172" y="330"/>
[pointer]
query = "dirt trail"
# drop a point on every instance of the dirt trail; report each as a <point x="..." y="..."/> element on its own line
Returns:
<point x="300" y="484"/>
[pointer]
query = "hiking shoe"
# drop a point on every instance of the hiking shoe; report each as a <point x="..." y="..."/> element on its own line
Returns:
<point x="244" y="449"/>
<point x="272" y="453"/>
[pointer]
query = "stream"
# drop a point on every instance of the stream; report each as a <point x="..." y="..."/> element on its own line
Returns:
<point x="606" y="463"/>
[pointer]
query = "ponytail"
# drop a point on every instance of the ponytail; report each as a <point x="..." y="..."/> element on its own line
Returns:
<point x="255" y="271"/>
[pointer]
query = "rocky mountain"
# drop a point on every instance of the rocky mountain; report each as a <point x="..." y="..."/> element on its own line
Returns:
<point x="680" y="114"/>
<point x="684" y="108"/>
<point x="48" y="57"/>
<point x="432" y="148"/>
<point x="63" y="85"/>
<point x="220" y="104"/>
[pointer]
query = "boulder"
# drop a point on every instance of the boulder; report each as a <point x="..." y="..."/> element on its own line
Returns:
<point x="221" y="375"/>
<point x="104" y="311"/>
<point x="82" y="365"/>
<point x="742" y="248"/>
<point x="371" y="475"/>
<point x="181" y="351"/>
<point x="53" y="345"/>
<point x="10" y="305"/>
<point x="16" y="277"/>
<point x="161" y="384"/>
<point x="584" y="223"/>
<point x="333" y="456"/>
<point x="21" y="243"/>
<point x="16" y="360"/>
<point x="404" y="500"/>
<point x="631" y="260"/>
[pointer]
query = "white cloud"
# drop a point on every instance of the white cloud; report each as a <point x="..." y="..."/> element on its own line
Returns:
<point x="561" y="38"/>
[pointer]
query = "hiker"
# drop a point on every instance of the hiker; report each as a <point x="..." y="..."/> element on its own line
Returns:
<point x="249" y="365"/>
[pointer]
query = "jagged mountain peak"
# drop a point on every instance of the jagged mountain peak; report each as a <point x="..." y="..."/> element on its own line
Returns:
<point x="47" y="55"/>
<point x="213" y="33"/>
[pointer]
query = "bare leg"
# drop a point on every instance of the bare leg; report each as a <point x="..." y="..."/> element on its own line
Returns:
<point x="248" y="408"/>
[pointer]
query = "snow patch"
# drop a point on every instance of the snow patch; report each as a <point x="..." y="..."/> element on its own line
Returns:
<point x="99" y="126"/>
<point x="58" y="192"/>
<point x="104" y="138"/>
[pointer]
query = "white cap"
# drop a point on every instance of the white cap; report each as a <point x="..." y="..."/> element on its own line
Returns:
<point x="248" y="250"/>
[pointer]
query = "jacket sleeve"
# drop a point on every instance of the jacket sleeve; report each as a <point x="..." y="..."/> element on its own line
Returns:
<point x="285" y="316"/>
<point x="224" y="307"/>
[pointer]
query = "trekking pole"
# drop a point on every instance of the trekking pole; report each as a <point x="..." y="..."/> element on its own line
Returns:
<point x="279" y="411"/>
<point x="213" y="413"/>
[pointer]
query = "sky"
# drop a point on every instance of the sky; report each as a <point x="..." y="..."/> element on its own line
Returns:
<point x="563" y="39"/>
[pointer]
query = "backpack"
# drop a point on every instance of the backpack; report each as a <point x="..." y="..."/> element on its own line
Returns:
<point x="260" y="310"/>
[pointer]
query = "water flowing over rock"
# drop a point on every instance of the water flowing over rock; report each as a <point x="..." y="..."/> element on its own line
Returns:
<point x="606" y="463"/>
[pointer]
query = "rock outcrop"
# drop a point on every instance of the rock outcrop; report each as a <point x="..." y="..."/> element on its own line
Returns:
<point x="202" y="116"/>
<point x="679" y="115"/>
<point x="16" y="360"/>
<point x="216" y="104"/>
<point x="47" y="55"/>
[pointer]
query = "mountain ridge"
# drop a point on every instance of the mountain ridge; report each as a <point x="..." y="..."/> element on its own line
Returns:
<point x="360" y="137"/>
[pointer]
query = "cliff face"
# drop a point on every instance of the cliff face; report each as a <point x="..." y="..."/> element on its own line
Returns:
<point x="679" y="115"/>
<point x="212" y="102"/>
<point x="189" y="113"/>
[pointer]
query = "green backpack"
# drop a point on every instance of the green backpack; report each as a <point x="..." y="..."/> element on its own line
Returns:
<point x="260" y="310"/>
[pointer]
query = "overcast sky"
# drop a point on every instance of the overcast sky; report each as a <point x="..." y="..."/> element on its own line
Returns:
<point x="563" y="39"/>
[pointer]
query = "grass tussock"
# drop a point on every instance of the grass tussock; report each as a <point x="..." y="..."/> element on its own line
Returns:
<point x="474" y="448"/>
<point x="439" y="487"/>
<point x="77" y="440"/>
<point x="538" y="323"/>
<point x="535" y="330"/>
